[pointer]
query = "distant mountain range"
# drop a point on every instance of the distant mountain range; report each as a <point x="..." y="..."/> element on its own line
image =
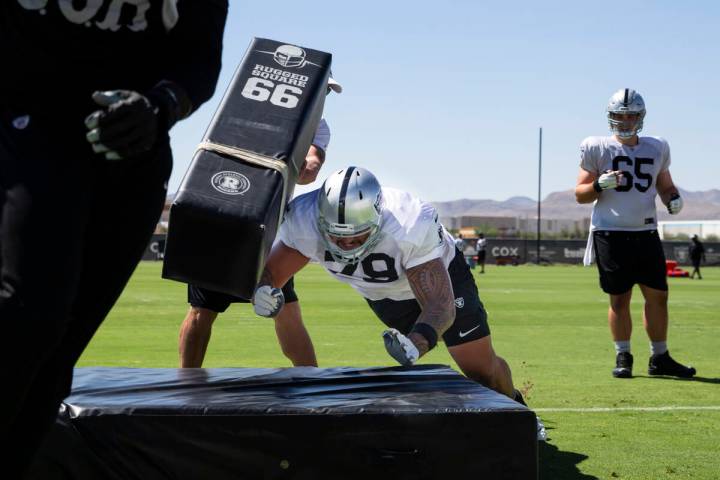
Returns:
<point x="562" y="205"/>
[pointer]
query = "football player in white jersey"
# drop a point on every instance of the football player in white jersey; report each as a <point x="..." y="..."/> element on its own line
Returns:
<point x="622" y="173"/>
<point x="390" y="247"/>
<point x="205" y="304"/>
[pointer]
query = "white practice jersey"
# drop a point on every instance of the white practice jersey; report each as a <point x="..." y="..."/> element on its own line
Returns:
<point x="631" y="206"/>
<point x="410" y="236"/>
<point x="322" y="135"/>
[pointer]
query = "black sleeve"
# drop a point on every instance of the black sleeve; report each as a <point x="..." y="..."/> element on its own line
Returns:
<point x="196" y="48"/>
<point x="289" y="291"/>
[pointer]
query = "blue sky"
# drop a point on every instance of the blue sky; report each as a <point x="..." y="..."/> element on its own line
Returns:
<point x="445" y="98"/>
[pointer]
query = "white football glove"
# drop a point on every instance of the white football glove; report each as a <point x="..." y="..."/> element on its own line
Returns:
<point x="675" y="204"/>
<point x="608" y="180"/>
<point x="268" y="301"/>
<point x="400" y="347"/>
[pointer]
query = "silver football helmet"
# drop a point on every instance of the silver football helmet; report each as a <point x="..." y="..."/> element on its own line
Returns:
<point x="626" y="101"/>
<point x="350" y="204"/>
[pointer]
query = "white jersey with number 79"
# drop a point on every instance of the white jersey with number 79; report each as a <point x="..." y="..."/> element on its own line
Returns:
<point x="410" y="236"/>
<point x="630" y="206"/>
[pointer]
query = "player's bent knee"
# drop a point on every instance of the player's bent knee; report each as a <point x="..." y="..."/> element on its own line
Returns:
<point x="496" y="376"/>
<point x="620" y="302"/>
<point x="202" y="316"/>
<point x="476" y="359"/>
<point x="660" y="297"/>
<point x="483" y="377"/>
<point x="661" y="300"/>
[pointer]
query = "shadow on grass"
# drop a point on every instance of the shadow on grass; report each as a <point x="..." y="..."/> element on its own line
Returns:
<point x="715" y="381"/>
<point x="558" y="465"/>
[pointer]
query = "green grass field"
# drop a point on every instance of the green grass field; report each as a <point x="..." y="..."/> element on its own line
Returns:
<point x="550" y="324"/>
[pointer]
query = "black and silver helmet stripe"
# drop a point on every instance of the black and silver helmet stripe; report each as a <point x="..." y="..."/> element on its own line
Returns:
<point x="343" y="194"/>
<point x="627" y="94"/>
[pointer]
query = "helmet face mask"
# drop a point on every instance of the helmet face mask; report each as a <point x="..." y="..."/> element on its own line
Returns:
<point x="625" y="125"/>
<point x="350" y="208"/>
<point x="625" y="113"/>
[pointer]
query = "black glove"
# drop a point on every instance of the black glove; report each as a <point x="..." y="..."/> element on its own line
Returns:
<point x="129" y="122"/>
<point x="126" y="126"/>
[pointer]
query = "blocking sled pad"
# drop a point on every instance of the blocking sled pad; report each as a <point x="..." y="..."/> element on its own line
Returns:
<point x="225" y="215"/>
<point x="422" y="422"/>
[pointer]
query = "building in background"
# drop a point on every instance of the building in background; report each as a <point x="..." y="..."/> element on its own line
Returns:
<point x="470" y="225"/>
<point x="684" y="229"/>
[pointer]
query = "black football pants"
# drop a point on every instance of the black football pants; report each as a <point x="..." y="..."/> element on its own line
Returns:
<point x="73" y="226"/>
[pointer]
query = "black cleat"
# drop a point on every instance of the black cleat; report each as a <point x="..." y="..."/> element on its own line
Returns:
<point x="541" y="433"/>
<point x="664" y="364"/>
<point x="623" y="365"/>
<point x="517" y="396"/>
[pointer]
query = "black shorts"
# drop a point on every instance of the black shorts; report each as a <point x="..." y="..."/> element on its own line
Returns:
<point x="219" y="302"/>
<point x="627" y="258"/>
<point x="481" y="256"/>
<point x="470" y="316"/>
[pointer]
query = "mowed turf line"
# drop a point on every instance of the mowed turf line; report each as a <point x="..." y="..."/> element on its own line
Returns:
<point x="550" y="323"/>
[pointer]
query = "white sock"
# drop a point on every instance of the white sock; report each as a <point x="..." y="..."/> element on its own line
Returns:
<point x="622" y="346"/>
<point x="658" y="348"/>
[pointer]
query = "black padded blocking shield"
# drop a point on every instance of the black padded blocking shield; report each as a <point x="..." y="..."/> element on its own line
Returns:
<point x="227" y="210"/>
<point x="422" y="422"/>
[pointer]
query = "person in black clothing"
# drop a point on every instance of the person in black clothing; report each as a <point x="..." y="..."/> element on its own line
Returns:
<point x="88" y="93"/>
<point x="481" y="247"/>
<point x="697" y="255"/>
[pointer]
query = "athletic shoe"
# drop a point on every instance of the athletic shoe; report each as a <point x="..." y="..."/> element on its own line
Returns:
<point x="663" y="364"/>
<point x="519" y="398"/>
<point x="541" y="433"/>
<point x="623" y="365"/>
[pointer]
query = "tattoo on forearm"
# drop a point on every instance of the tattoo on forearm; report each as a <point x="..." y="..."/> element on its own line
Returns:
<point x="430" y="282"/>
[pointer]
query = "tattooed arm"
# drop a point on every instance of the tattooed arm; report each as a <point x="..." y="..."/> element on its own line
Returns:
<point x="430" y="282"/>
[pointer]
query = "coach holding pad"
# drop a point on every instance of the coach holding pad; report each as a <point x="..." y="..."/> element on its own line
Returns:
<point x="88" y="93"/>
<point x="205" y="304"/>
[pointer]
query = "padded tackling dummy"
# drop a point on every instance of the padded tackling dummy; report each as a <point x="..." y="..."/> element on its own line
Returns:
<point x="226" y="213"/>
<point x="421" y="422"/>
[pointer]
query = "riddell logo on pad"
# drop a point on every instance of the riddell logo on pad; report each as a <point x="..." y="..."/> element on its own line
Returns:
<point x="230" y="183"/>
<point x="289" y="56"/>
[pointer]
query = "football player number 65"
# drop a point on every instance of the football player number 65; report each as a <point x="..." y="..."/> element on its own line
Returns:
<point x="621" y="160"/>
<point x="261" y="90"/>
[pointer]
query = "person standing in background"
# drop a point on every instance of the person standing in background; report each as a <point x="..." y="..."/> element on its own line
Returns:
<point x="697" y="255"/>
<point x="623" y="174"/>
<point x="481" y="247"/>
<point x="460" y="243"/>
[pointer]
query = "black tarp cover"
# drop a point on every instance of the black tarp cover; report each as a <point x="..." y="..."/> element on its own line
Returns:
<point x="423" y="421"/>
